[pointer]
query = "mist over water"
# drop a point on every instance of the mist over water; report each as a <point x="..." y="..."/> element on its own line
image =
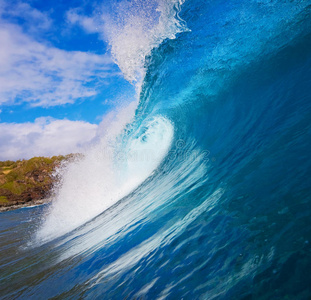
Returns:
<point x="199" y="190"/>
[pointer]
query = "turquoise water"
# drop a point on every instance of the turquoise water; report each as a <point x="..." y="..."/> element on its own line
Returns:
<point x="224" y="210"/>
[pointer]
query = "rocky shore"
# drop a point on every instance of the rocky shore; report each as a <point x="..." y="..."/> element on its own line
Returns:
<point x="27" y="204"/>
<point x="29" y="182"/>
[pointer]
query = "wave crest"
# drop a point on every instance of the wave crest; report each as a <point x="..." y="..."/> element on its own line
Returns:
<point x="139" y="26"/>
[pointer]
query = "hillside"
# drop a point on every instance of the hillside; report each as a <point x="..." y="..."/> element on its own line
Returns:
<point x="27" y="181"/>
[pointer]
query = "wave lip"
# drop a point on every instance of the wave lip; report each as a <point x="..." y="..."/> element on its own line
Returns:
<point x="103" y="177"/>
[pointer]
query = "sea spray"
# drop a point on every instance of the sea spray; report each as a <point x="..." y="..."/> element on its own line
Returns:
<point x="137" y="27"/>
<point x="106" y="173"/>
<point x="114" y="167"/>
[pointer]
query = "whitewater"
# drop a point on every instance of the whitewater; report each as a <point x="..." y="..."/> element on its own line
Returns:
<point x="200" y="187"/>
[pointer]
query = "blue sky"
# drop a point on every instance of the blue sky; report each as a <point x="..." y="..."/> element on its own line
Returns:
<point x="57" y="77"/>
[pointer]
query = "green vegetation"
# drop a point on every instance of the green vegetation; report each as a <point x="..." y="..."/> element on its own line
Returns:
<point x="26" y="180"/>
<point x="3" y="200"/>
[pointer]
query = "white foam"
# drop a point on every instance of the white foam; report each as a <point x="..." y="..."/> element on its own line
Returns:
<point x="102" y="177"/>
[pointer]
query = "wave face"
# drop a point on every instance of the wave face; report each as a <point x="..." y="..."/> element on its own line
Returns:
<point x="205" y="192"/>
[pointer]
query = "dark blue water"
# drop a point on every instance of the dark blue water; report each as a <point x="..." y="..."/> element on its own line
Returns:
<point x="226" y="215"/>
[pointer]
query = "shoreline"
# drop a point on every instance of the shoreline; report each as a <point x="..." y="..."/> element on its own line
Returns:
<point x="23" y="205"/>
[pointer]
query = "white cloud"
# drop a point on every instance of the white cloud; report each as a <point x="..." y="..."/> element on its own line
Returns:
<point x="44" y="137"/>
<point x="89" y="24"/>
<point x="38" y="73"/>
<point x="33" y="19"/>
<point x="44" y="75"/>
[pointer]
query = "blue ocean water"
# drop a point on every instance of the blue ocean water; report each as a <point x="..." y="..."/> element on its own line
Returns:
<point x="224" y="211"/>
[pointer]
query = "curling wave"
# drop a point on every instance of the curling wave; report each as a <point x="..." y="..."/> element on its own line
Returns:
<point x="203" y="191"/>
